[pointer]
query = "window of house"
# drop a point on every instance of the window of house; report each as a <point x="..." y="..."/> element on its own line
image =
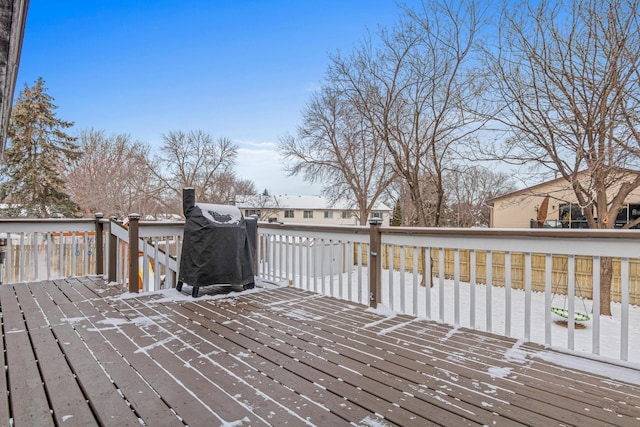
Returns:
<point x="307" y="214"/>
<point x="572" y="216"/>
<point x="328" y="214"/>
<point x="346" y="214"/>
<point x="249" y="212"/>
<point x="376" y="214"/>
<point x="288" y="213"/>
<point x="628" y="214"/>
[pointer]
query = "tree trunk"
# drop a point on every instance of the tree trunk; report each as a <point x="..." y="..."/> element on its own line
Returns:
<point x="426" y="259"/>
<point x="606" y="274"/>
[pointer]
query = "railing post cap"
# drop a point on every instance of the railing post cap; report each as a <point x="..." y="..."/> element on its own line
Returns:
<point x="375" y="221"/>
<point x="134" y="216"/>
<point x="99" y="215"/>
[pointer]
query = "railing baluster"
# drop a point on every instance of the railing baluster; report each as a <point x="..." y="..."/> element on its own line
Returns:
<point x="595" y="307"/>
<point x="300" y="261"/>
<point x="571" y="295"/>
<point x="456" y="287"/>
<point x="23" y="260"/>
<point x="294" y="270"/>
<point x="323" y="250"/>
<point x="8" y="273"/>
<point x="428" y="280"/>
<point x="391" y="252"/>
<point x="146" y="276"/>
<point x="74" y="254"/>
<point x="272" y="257"/>
<point x="489" y="285"/>
<point x="308" y="267"/>
<point x="287" y="263"/>
<point x="280" y="256"/>
<point x="36" y="257"/>
<point x="156" y="265"/>
<point x="441" y="283"/>
<point x="341" y="269"/>
<point x="624" y="324"/>
<point x="331" y="287"/>
<point x="61" y="254"/>
<point x="350" y="265"/>
<point x="548" y="276"/>
<point x="85" y="253"/>
<point x="507" y="293"/>
<point x="527" y="296"/>
<point x="415" y="281"/>
<point x="360" y="275"/>
<point x="48" y="237"/>
<point x="472" y="288"/>
<point x="403" y="295"/>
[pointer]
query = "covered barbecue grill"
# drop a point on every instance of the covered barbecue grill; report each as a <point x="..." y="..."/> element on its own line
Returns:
<point x="218" y="245"/>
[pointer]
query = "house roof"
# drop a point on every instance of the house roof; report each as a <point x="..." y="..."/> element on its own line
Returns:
<point x="13" y="16"/>
<point x="533" y="190"/>
<point x="301" y="202"/>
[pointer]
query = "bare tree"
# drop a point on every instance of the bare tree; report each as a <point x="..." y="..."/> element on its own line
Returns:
<point x="335" y="145"/>
<point x="414" y="90"/>
<point x="566" y="80"/>
<point x="468" y="190"/>
<point x="196" y="160"/>
<point x="110" y="177"/>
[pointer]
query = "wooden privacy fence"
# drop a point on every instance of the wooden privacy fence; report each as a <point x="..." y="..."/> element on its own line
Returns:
<point x="583" y="270"/>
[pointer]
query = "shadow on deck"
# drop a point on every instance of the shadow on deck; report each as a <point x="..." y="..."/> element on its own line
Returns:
<point x="79" y="352"/>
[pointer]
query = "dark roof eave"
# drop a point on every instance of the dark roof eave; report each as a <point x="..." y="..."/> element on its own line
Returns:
<point x="13" y="16"/>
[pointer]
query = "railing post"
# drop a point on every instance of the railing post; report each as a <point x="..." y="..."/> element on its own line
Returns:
<point x="256" y="261"/>
<point x="375" y="267"/>
<point x="99" y="244"/>
<point x="113" y="251"/>
<point x="133" y="252"/>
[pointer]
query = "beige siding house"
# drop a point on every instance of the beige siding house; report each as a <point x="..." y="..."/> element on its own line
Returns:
<point x="520" y="208"/>
<point x="306" y="210"/>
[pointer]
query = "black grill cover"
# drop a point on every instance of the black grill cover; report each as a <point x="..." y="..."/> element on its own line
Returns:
<point x="218" y="245"/>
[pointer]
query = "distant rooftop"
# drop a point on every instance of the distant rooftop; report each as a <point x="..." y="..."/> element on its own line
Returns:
<point x="301" y="202"/>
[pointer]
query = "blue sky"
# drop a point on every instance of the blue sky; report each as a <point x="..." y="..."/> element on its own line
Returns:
<point x="239" y="69"/>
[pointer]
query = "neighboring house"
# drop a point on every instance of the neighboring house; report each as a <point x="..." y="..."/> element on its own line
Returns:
<point x="306" y="210"/>
<point x="521" y="208"/>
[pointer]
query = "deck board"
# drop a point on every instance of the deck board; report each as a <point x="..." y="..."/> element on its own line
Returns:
<point x="80" y="352"/>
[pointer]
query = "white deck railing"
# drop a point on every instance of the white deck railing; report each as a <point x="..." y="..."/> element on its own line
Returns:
<point x="335" y="261"/>
<point x="500" y="281"/>
<point x="47" y="249"/>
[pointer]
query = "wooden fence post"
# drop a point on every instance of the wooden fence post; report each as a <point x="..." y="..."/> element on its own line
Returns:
<point x="99" y="244"/>
<point x="133" y="252"/>
<point x="375" y="266"/>
<point x="113" y="251"/>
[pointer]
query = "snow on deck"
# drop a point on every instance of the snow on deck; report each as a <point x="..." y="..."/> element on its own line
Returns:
<point x="83" y="352"/>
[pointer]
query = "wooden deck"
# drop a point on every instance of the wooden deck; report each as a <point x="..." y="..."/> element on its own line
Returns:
<point x="77" y="353"/>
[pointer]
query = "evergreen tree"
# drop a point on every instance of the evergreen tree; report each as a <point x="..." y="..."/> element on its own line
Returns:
<point x="38" y="151"/>
<point x="396" y="219"/>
